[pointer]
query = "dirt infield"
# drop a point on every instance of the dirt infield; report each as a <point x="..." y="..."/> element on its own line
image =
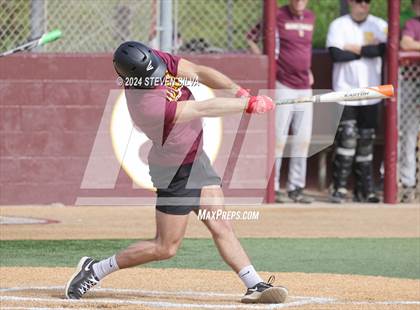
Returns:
<point x="142" y="288"/>
<point x="319" y="220"/>
<point x="150" y="288"/>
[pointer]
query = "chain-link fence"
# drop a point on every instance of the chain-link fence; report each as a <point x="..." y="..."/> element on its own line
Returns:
<point x="198" y="25"/>
<point x="14" y="23"/>
<point x="409" y="128"/>
<point x="87" y="26"/>
<point x="217" y="25"/>
<point x="99" y="26"/>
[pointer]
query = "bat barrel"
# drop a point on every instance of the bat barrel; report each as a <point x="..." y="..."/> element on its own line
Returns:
<point x="386" y="90"/>
<point x="357" y="94"/>
<point x="50" y="36"/>
<point x="376" y="92"/>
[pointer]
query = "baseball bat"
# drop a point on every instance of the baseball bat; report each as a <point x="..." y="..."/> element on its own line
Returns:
<point x="366" y="93"/>
<point x="44" y="39"/>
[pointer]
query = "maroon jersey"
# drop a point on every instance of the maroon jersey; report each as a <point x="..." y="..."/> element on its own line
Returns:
<point x="153" y="111"/>
<point x="295" y="56"/>
<point x="412" y="28"/>
<point x="295" y="51"/>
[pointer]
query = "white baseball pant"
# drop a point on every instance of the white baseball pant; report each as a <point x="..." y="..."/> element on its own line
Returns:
<point x="299" y="117"/>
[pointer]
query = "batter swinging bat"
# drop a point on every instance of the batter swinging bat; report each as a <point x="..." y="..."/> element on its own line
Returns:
<point x="377" y="92"/>
<point x="44" y="39"/>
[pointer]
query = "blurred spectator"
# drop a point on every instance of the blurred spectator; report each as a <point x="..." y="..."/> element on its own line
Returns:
<point x="410" y="113"/>
<point x="295" y="25"/>
<point x="356" y="42"/>
<point x="410" y="40"/>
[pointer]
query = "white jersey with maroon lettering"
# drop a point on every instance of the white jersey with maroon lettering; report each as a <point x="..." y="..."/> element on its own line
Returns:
<point x="363" y="72"/>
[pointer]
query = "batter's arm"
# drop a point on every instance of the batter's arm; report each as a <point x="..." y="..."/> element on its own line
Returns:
<point x="206" y="75"/>
<point x="189" y="110"/>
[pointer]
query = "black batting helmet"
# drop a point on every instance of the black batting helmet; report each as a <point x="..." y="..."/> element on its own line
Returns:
<point x="136" y="60"/>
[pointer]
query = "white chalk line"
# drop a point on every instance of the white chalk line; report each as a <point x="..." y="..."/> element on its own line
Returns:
<point x="388" y="303"/>
<point x="140" y="291"/>
<point x="163" y="304"/>
<point x="304" y="299"/>
<point x="299" y="300"/>
<point x="127" y="291"/>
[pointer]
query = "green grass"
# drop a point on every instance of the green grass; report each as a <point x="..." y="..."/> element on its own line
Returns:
<point x="390" y="257"/>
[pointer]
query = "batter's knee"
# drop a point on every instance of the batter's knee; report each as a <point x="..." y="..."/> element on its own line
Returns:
<point x="220" y="228"/>
<point x="163" y="252"/>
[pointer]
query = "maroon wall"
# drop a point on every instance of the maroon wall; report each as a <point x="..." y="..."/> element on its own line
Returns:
<point x="50" y="110"/>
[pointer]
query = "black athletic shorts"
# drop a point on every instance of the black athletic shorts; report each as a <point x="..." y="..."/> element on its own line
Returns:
<point x="179" y="188"/>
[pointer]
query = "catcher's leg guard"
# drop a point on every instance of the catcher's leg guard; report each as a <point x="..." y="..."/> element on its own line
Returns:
<point x="345" y="151"/>
<point x="364" y="189"/>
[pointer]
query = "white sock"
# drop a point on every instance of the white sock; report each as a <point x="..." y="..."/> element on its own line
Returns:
<point x="105" y="267"/>
<point x="249" y="276"/>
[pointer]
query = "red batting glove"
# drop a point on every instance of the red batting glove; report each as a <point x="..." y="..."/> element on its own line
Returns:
<point x="259" y="104"/>
<point x="242" y="92"/>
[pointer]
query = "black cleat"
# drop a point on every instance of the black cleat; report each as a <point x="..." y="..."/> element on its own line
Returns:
<point x="82" y="280"/>
<point x="338" y="195"/>
<point x="281" y="198"/>
<point x="365" y="197"/>
<point x="265" y="293"/>
<point x="298" y="196"/>
<point x="372" y="198"/>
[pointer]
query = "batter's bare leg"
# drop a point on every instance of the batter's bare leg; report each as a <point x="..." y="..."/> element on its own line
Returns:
<point x="234" y="254"/>
<point x="170" y="230"/>
<point x="222" y="231"/>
